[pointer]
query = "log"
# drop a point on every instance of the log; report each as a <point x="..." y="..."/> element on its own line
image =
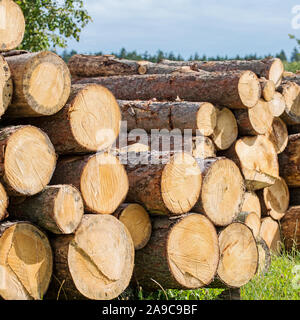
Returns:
<point x="26" y="261"/>
<point x="148" y="115"/>
<point x="82" y="66"/>
<point x="275" y="199"/>
<point x="226" y="130"/>
<point x="251" y="220"/>
<point x="293" y="129"/>
<point x="28" y="160"/>
<point x="174" y="257"/>
<point x="12" y="25"/>
<point x="96" y="262"/>
<point x="278" y="135"/>
<point x="269" y="68"/>
<point x="254" y="121"/>
<point x="203" y="147"/>
<point x="237" y="89"/>
<point x="165" y="183"/>
<point x="291" y="94"/>
<point x="3" y="203"/>
<point x="6" y="86"/>
<point x="251" y="203"/>
<point x="257" y="159"/>
<point x="101" y="179"/>
<point x="290" y="228"/>
<point x="58" y="209"/>
<point x="136" y="219"/>
<point x="222" y="191"/>
<point x="277" y="104"/>
<point x="289" y="161"/>
<point x="264" y="256"/>
<point x="267" y="89"/>
<point x="41" y="82"/>
<point x="270" y="233"/>
<point x="89" y="122"/>
<point x="238" y="256"/>
<point x="198" y="146"/>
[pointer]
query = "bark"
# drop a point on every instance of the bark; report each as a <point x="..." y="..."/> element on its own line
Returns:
<point x="169" y="262"/>
<point x="57" y="208"/>
<point x="264" y="255"/>
<point x="290" y="228"/>
<point x="12" y="25"/>
<point x="289" y="161"/>
<point x="6" y="86"/>
<point x="219" y="88"/>
<point x="269" y="68"/>
<point x="82" y="66"/>
<point x="183" y="115"/>
<point x="31" y="97"/>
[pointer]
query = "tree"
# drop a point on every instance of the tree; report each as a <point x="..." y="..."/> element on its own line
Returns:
<point x="281" y="55"/>
<point x="50" y="22"/>
<point x="295" y="55"/>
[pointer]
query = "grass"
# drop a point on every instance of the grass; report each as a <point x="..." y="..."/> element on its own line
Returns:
<point x="277" y="284"/>
<point x="291" y="66"/>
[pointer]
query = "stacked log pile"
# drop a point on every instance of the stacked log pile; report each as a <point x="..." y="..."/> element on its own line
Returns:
<point x="79" y="222"/>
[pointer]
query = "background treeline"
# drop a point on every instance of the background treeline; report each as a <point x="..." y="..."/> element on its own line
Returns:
<point x="133" y="55"/>
<point x="291" y="64"/>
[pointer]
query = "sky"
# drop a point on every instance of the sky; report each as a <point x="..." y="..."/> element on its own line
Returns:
<point x="211" y="27"/>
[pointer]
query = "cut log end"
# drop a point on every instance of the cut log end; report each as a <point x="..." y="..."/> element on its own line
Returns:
<point x="29" y="161"/>
<point x="12" y="25"/>
<point x="226" y="130"/>
<point x="138" y="223"/>
<point x="264" y="260"/>
<point x="278" y="135"/>
<point x="181" y="183"/>
<point x="276" y="71"/>
<point x="222" y="191"/>
<point x="258" y="160"/>
<point x="3" y="203"/>
<point x="103" y="183"/>
<point x="290" y="227"/>
<point x="277" y="104"/>
<point x="260" y="117"/>
<point x="190" y="242"/>
<point x="249" y="89"/>
<point x="36" y="99"/>
<point x="276" y="199"/>
<point x="268" y="89"/>
<point x="206" y="119"/>
<point x="101" y="257"/>
<point x="270" y="233"/>
<point x="251" y="203"/>
<point x="95" y="118"/>
<point x="26" y="262"/>
<point x="239" y="255"/>
<point x="251" y="220"/>
<point x="203" y="147"/>
<point x="68" y="208"/>
<point x="291" y="94"/>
